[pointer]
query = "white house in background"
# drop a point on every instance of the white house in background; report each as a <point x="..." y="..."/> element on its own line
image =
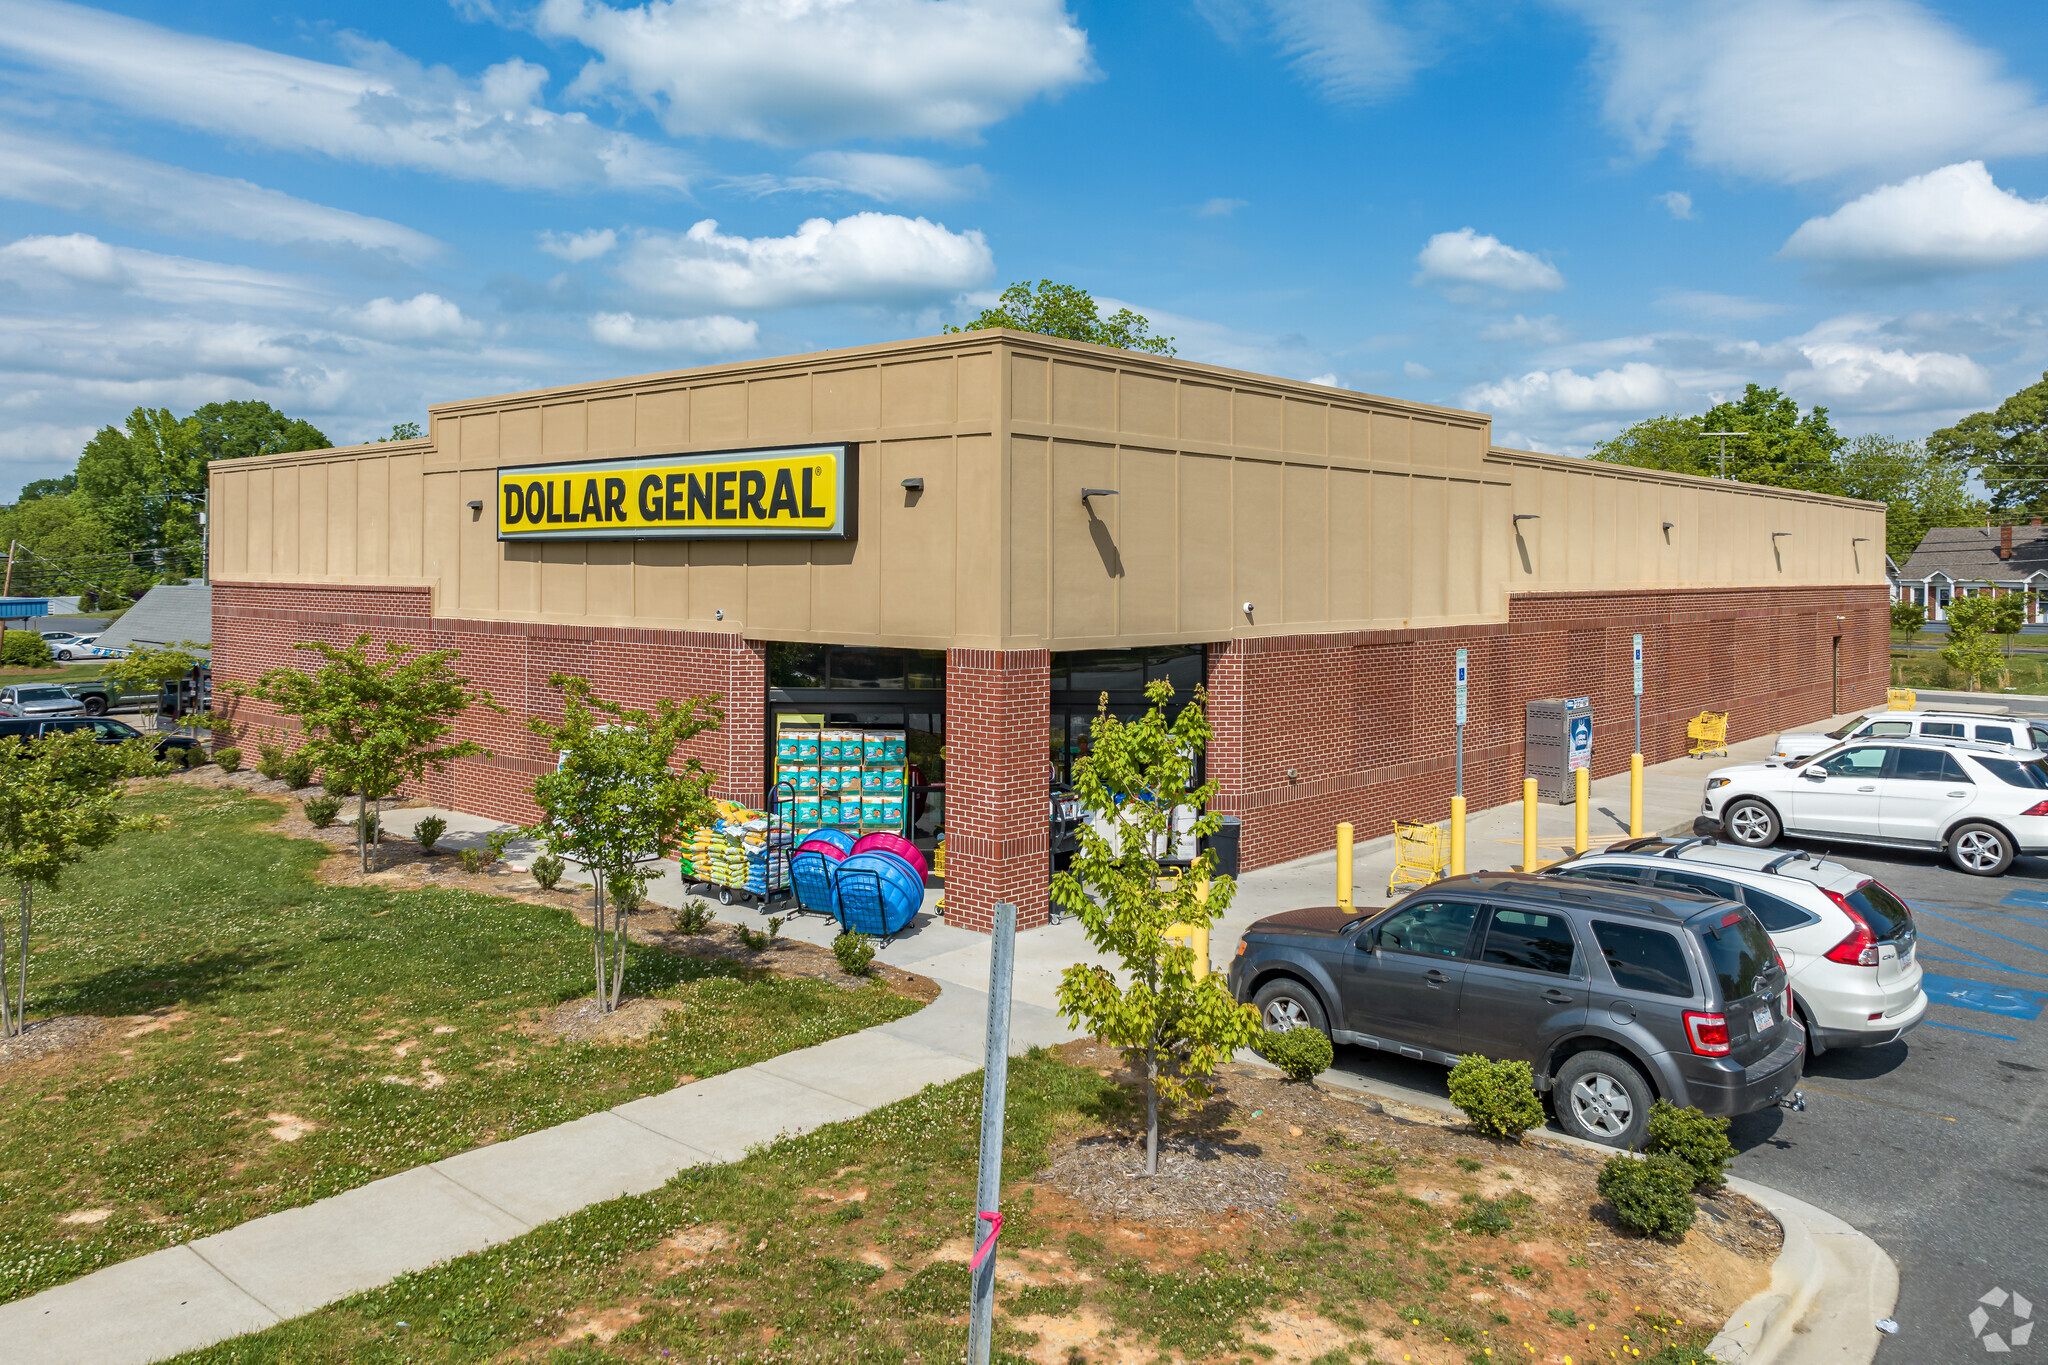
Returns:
<point x="1969" y="561"/>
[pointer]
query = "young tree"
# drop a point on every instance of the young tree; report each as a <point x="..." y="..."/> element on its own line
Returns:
<point x="1970" y="649"/>
<point x="59" y="800"/>
<point x="146" y="667"/>
<point x="373" y="725"/>
<point x="1063" y="310"/>
<point x="618" y="803"/>
<point x="1180" y="1026"/>
<point x="1907" y="619"/>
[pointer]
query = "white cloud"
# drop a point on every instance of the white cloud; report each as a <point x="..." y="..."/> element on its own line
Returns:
<point x="1467" y="257"/>
<point x="1797" y="90"/>
<point x="419" y="318"/>
<point x="795" y="71"/>
<point x="1707" y="304"/>
<point x="1350" y="50"/>
<point x="1863" y="378"/>
<point x="579" y="246"/>
<point x="1952" y="219"/>
<point x="1634" y="387"/>
<point x="704" y="336"/>
<point x="1328" y="381"/>
<point x="46" y="265"/>
<point x="1545" y="331"/>
<point x="1416" y="370"/>
<point x="91" y="180"/>
<point x="1220" y="208"/>
<point x="864" y="258"/>
<point x="385" y="110"/>
<point x="887" y="177"/>
<point x="1677" y="203"/>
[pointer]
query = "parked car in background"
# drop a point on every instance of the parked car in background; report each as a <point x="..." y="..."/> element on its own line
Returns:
<point x="1981" y="804"/>
<point x="99" y="696"/>
<point x="37" y="700"/>
<point x="2014" y="732"/>
<point x="182" y="749"/>
<point x="1615" y="996"/>
<point x="1847" y="940"/>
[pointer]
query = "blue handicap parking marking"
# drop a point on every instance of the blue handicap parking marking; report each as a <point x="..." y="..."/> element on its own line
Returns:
<point x="2027" y="896"/>
<point x="1982" y="996"/>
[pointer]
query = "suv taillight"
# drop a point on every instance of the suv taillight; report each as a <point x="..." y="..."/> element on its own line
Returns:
<point x="1708" y="1033"/>
<point x="1859" y="949"/>
<point x="2038" y="808"/>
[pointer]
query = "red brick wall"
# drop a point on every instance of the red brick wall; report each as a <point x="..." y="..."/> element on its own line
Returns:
<point x="997" y="703"/>
<point x="1314" y="729"/>
<point x="256" y="625"/>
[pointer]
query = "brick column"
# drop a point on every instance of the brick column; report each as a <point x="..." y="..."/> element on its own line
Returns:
<point x="997" y="702"/>
<point x="1225" y="762"/>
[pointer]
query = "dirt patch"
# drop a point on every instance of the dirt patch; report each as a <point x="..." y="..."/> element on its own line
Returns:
<point x="50" y="1037"/>
<point x="633" y="1021"/>
<point x="288" y="1127"/>
<point x="1199" y="1182"/>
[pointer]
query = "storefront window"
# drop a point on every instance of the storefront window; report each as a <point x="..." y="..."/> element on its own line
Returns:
<point x="799" y="667"/>
<point x="795" y="665"/>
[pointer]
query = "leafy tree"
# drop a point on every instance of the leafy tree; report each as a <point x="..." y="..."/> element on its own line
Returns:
<point x="1781" y="446"/>
<point x="1920" y="489"/>
<point x="47" y="488"/>
<point x="65" y="547"/>
<point x="1063" y="310"/>
<point x="375" y="724"/>
<point x="1180" y="1026"/>
<point x="146" y="667"/>
<point x="618" y="803"/>
<point x="1970" y="650"/>
<point x="401" y="431"/>
<point x="2008" y="447"/>
<point x="1907" y="619"/>
<point x="239" y="428"/>
<point x="59" y="800"/>
<point x="2007" y="615"/>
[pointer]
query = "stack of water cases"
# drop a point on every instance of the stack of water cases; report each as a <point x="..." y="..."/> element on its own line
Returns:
<point x="854" y="780"/>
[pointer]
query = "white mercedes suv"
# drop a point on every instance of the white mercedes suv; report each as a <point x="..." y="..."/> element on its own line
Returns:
<point x="1981" y="804"/>
<point x="1847" y="941"/>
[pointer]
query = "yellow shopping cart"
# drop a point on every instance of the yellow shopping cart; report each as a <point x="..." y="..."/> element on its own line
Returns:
<point x="1901" y="699"/>
<point x="1421" y="853"/>
<point x="1708" y="732"/>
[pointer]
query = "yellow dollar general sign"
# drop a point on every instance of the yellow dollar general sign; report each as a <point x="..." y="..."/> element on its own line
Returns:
<point x="782" y="492"/>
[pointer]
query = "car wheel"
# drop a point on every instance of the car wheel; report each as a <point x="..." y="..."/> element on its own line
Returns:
<point x="95" y="706"/>
<point x="64" y="656"/>
<point x="1285" y="1005"/>
<point x="1603" y="1099"/>
<point x="1751" y="823"/>
<point x="1980" y="850"/>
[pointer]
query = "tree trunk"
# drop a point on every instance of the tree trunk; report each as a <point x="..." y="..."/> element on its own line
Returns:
<point x="21" y="996"/>
<point x="6" y="1003"/>
<point x="362" y="831"/>
<point x="1151" y="1110"/>
<point x="619" y="913"/>
<point x="597" y="930"/>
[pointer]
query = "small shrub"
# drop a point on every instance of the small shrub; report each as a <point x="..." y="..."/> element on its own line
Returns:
<point x="25" y="649"/>
<point x="854" y="951"/>
<point x="230" y="759"/>
<point x="496" y="842"/>
<point x="429" y="831"/>
<point x="755" y="940"/>
<point x="1466" y="1163"/>
<point x="1498" y="1097"/>
<point x="1564" y="1317"/>
<point x="1694" y="1138"/>
<point x="296" y="770"/>
<point x="1652" y="1196"/>
<point x="1303" y="1053"/>
<point x="547" y="870"/>
<point x="693" y="918"/>
<point x="269" y="760"/>
<point x="1485" y="1218"/>
<point x="473" y="860"/>
<point x="370" y="826"/>
<point x="337" y="786"/>
<point x="321" y="810"/>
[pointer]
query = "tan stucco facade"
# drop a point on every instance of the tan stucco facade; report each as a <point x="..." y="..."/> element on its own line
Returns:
<point x="1325" y="510"/>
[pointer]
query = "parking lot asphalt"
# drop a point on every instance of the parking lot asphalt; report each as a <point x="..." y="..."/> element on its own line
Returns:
<point x="1935" y="1146"/>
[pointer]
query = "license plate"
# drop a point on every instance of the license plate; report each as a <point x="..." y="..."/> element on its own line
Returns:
<point x="1762" y="1019"/>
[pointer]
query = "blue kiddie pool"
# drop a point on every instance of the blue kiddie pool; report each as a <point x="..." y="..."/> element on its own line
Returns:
<point x="838" y="838"/>
<point x="879" y="893"/>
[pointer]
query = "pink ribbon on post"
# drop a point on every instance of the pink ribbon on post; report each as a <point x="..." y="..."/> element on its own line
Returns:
<point x="995" y="1222"/>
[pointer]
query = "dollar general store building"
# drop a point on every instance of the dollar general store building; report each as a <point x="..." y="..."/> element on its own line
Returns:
<point x="970" y="538"/>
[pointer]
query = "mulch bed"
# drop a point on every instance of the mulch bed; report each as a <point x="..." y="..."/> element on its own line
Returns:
<point x="47" y="1037"/>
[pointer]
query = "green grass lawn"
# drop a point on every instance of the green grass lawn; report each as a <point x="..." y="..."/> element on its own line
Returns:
<point x="1919" y="669"/>
<point x="376" y="1029"/>
<point x="821" y="1249"/>
<point x="61" y="673"/>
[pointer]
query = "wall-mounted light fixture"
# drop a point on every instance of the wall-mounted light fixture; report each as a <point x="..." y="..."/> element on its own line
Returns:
<point x="1776" y="534"/>
<point x="1521" y="517"/>
<point x="1088" y="493"/>
<point x="1669" y="524"/>
<point x="476" y="508"/>
<point x="1858" y="540"/>
<point x="914" y="485"/>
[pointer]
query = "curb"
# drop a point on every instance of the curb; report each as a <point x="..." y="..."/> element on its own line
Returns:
<point x="1829" y="1286"/>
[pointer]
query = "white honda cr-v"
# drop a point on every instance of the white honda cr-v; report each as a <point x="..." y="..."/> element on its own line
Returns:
<point x="1980" y="804"/>
<point x="1847" y="942"/>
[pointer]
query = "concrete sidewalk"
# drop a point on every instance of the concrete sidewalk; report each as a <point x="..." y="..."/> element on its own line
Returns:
<point x="279" y="1267"/>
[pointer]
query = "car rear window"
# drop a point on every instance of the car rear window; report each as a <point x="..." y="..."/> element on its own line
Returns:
<point x="1644" y="959"/>
<point x="1928" y="765"/>
<point x="1885" y="913"/>
<point x="1738" y="951"/>
<point x="1941" y="729"/>
<point x="2029" y="773"/>
<point x="1531" y="940"/>
<point x="1997" y="734"/>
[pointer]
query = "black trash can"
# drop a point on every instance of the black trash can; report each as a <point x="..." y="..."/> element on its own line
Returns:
<point x="1224" y="844"/>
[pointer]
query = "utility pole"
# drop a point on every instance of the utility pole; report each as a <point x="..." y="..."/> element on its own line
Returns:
<point x="1724" y="435"/>
<point x="7" y="587"/>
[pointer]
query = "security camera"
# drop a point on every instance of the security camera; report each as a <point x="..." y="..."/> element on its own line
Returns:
<point x="1247" y="609"/>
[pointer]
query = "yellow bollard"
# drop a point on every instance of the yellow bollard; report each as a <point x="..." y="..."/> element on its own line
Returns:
<point x="1635" y="796"/>
<point x="1582" y="799"/>
<point x="1344" y="868"/>
<point x="1529" y="824"/>
<point x="1457" y="836"/>
<point x="1195" y="935"/>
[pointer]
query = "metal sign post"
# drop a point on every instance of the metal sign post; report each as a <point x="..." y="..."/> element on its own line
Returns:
<point x="1460" y="789"/>
<point x="1639" y="693"/>
<point x="995" y="1083"/>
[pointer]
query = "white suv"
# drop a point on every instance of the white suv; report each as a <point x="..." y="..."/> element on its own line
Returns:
<point x="1847" y="942"/>
<point x="2013" y="732"/>
<point x="1981" y="804"/>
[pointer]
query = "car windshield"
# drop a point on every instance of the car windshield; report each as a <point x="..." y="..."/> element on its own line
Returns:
<point x="2030" y="773"/>
<point x="42" y="694"/>
<point x="1738" y="949"/>
<point x="1885" y="913"/>
<point x="1844" y="731"/>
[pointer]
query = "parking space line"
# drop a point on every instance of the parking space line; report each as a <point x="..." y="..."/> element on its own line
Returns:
<point x="1980" y="910"/>
<point x="1975" y="929"/>
<point x="1958" y="1028"/>
<point x="2035" y="900"/>
<point x="1990" y="962"/>
<point x="1982" y="996"/>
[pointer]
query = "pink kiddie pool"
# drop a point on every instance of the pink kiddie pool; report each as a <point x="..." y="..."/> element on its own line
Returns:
<point x="898" y="845"/>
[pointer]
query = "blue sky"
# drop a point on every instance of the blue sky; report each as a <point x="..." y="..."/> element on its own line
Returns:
<point x="1569" y="213"/>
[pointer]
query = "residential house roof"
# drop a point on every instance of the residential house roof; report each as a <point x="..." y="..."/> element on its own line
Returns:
<point x="1970" y="554"/>
<point x="168" y="614"/>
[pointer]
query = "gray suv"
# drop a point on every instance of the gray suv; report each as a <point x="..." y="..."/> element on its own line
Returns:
<point x="1615" y="997"/>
